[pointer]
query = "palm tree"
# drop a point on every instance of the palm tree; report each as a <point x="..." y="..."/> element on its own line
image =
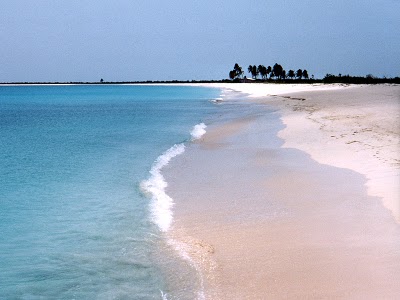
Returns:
<point x="253" y="71"/>
<point x="262" y="70"/>
<point x="299" y="73"/>
<point x="305" y="74"/>
<point x="238" y="70"/>
<point x="232" y="74"/>
<point x="291" y="74"/>
<point x="269" y="71"/>
<point x="277" y="69"/>
<point x="250" y="69"/>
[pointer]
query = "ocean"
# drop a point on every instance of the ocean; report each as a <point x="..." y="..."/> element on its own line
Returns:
<point x="83" y="209"/>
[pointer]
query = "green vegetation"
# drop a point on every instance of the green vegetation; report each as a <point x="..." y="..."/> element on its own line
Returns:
<point x="369" y="79"/>
<point x="260" y="73"/>
<point x="237" y="72"/>
<point x="278" y="74"/>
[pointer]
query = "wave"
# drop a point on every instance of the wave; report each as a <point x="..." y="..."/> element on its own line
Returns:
<point x="198" y="131"/>
<point x="217" y="100"/>
<point x="161" y="204"/>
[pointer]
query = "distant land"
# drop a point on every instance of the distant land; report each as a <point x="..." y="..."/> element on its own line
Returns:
<point x="276" y="75"/>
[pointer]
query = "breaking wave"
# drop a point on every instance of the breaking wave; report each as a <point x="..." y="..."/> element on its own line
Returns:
<point x="161" y="204"/>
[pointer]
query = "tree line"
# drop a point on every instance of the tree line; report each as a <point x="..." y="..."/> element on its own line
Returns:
<point x="369" y="79"/>
<point x="276" y="72"/>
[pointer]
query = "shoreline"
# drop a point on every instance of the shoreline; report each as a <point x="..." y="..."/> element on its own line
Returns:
<point x="301" y="106"/>
<point x="238" y="218"/>
<point x="361" y="137"/>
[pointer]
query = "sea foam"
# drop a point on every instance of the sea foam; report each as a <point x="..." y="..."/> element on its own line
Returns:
<point x="161" y="205"/>
<point x="198" y="131"/>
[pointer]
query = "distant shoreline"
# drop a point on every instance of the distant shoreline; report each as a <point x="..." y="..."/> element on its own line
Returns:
<point x="329" y="80"/>
<point x="113" y="82"/>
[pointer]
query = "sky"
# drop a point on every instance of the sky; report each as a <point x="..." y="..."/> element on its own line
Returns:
<point x="129" y="40"/>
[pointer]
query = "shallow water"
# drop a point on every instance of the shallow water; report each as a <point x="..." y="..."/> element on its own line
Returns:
<point x="74" y="221"/>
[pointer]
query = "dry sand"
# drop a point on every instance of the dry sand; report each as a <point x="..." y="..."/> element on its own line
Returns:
<point x="263" y="219"/>
<point x="358" y="128"/>
<point x="347" y="126"/>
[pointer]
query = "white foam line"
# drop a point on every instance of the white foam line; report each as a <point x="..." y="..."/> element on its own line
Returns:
<point x="161" y="204"/>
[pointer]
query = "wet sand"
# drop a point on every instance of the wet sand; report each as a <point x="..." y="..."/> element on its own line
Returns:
<point x="264" y="220"/>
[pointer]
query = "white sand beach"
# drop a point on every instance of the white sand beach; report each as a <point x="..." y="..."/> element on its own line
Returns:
<point x="347" y="126"/>
<point x="312" y="214"/>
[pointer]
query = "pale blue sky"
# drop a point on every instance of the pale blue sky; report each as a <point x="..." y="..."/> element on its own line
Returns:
<point x="84" y="40"/>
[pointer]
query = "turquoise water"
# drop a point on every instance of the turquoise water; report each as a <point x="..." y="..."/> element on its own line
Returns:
<point x="74" y="222"/>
